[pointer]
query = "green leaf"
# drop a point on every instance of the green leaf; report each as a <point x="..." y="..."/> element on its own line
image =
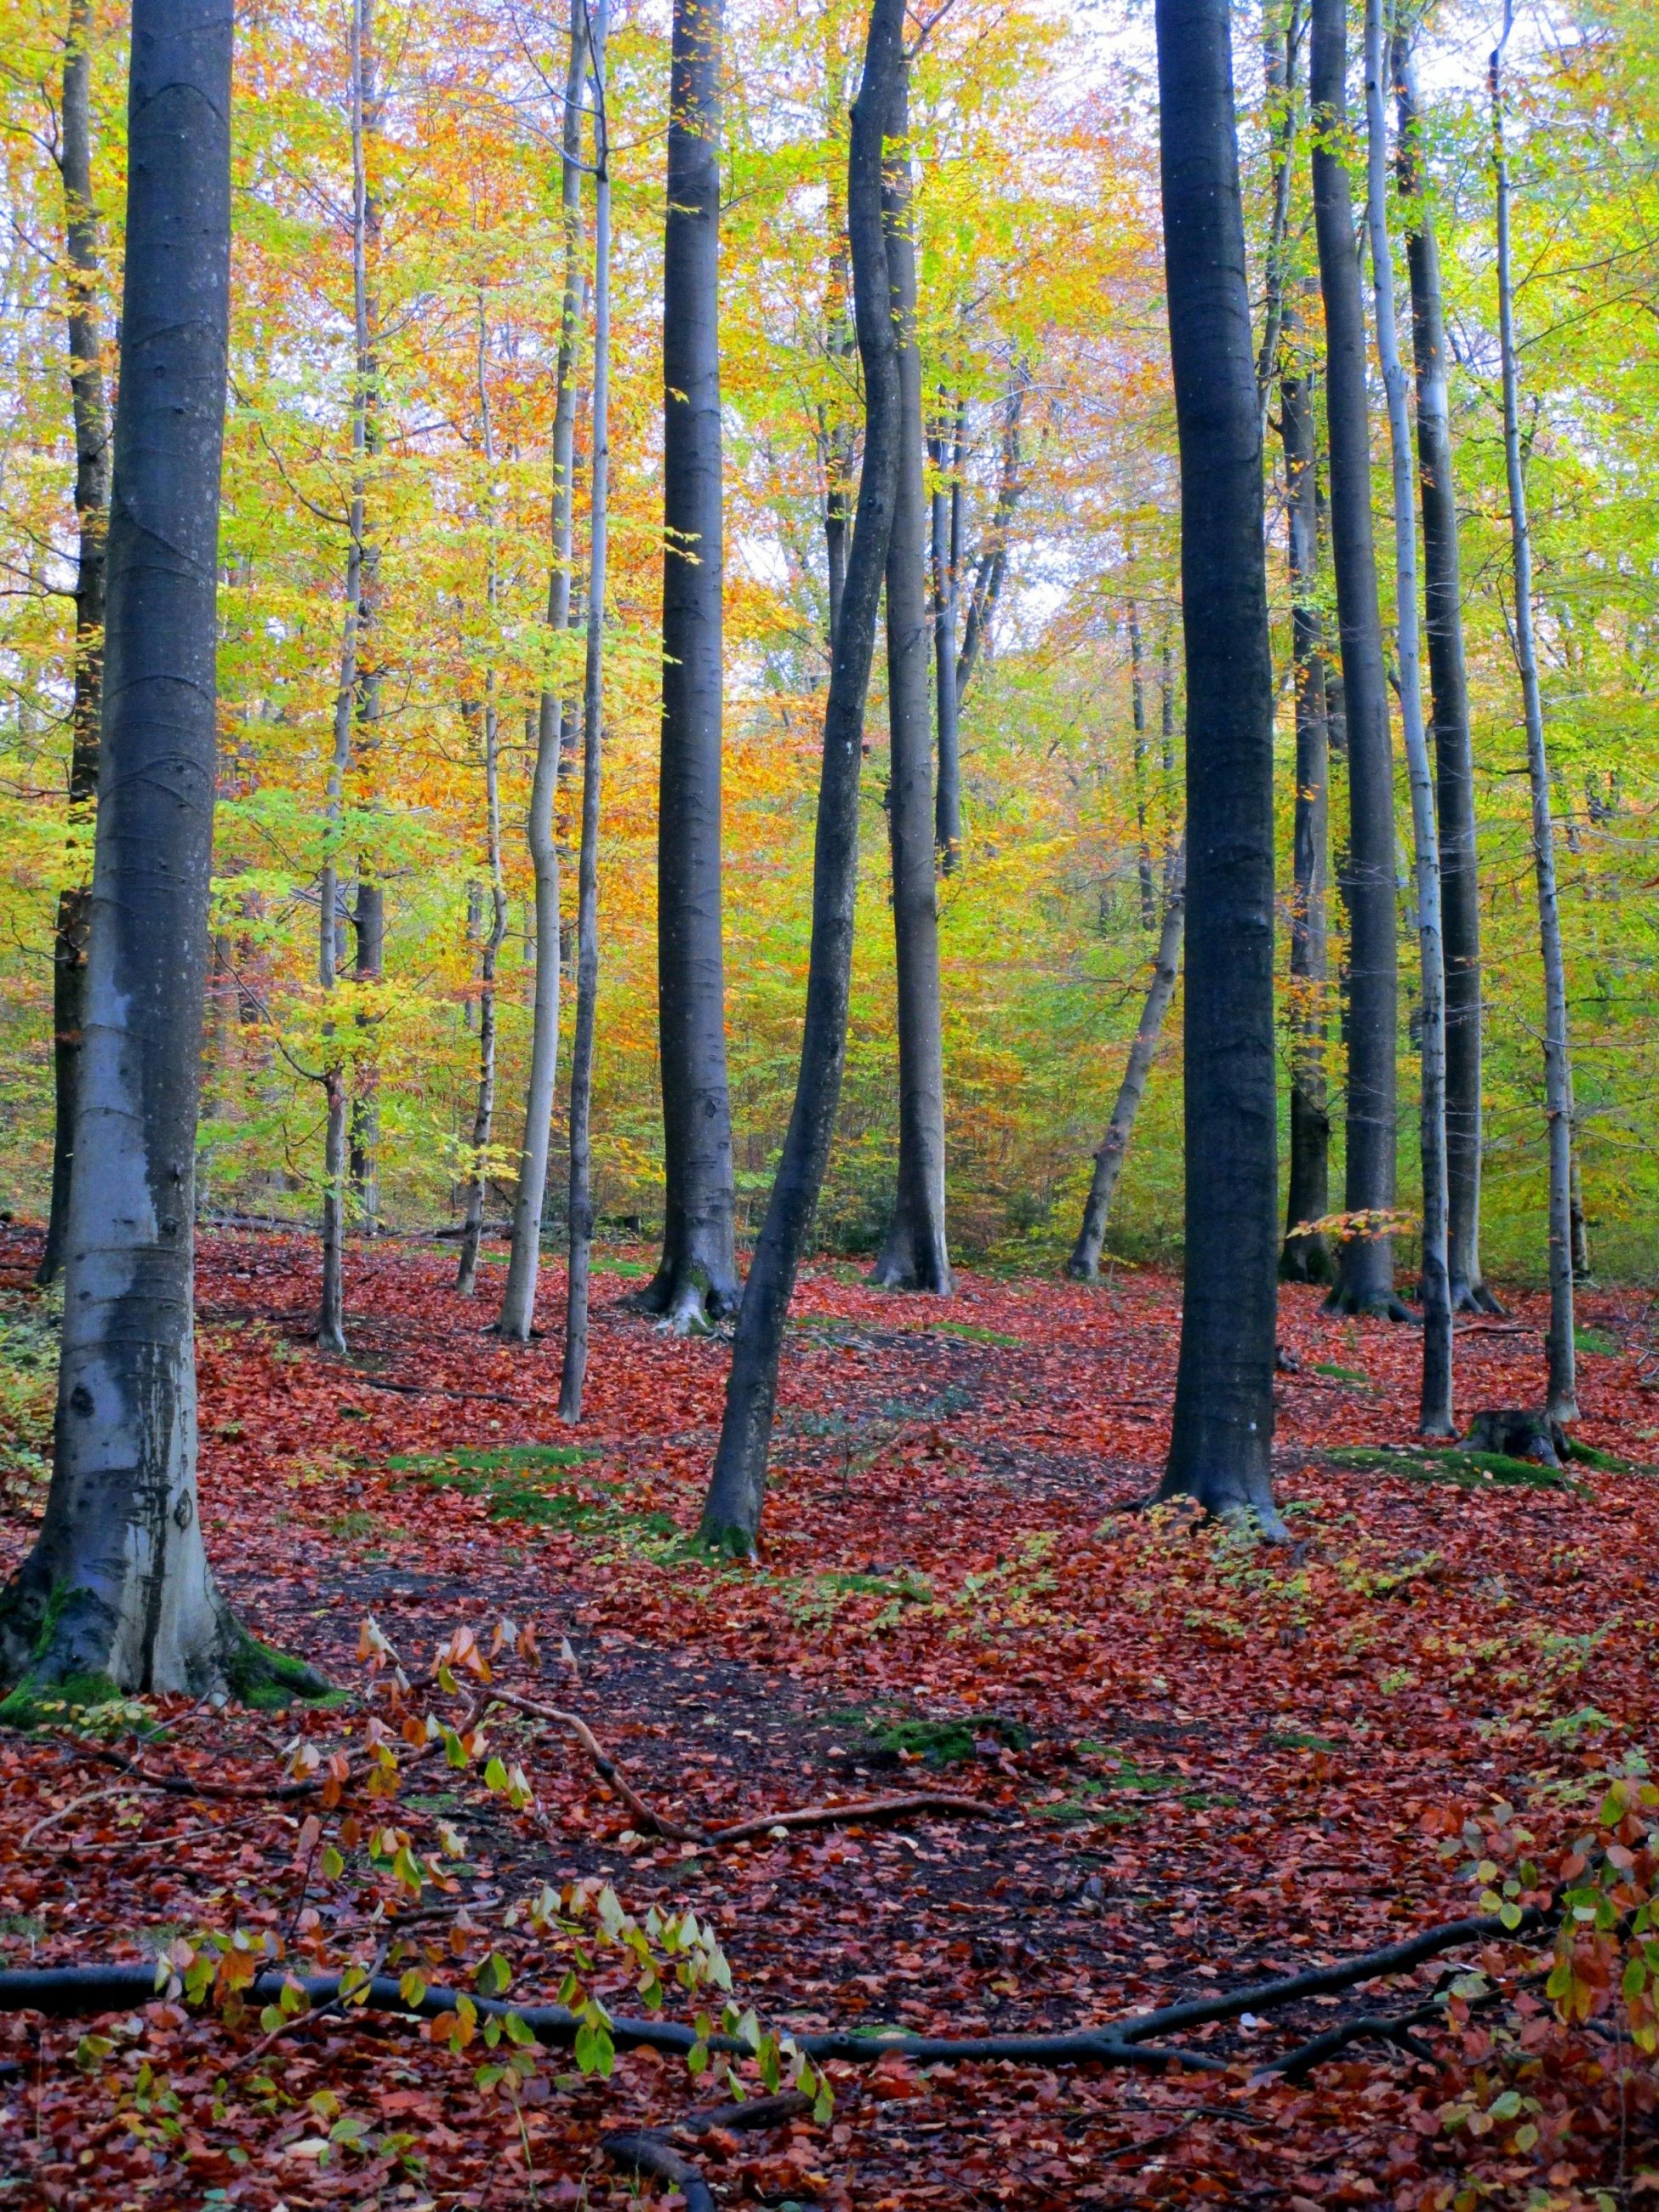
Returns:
<point x="495" y="1775"/>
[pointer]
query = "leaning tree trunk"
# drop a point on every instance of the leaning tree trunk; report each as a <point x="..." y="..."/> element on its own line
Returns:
<point x="946" y="519"/>
<point x="697" y="1280"/>
<point x="1435" y="1404"/>
<point x="1221" y="1444"/>
<point x="86" y="373"/>
<point x="915" y="1256"/>
<point x="1085" y="1262"/>
<point x="574" y="1371"/>
<point x="116" y="1595"/>
<point x="1563" y="1391"/>
<point x="731" y="1512"/>
<point x="1365" y="1270"/>
<point x="517" y="1317"/>
<point x="1460" y="882"/>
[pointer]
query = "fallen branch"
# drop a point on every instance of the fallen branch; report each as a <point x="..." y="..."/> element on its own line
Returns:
<point x="1369" y="2027"/>
<point x="638" y="2153"/>
<point x="432" y="1390"/>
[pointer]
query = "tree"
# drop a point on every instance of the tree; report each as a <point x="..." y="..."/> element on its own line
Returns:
<point x="1449" y="685"/>
<point x="1562" y="1403"/>
<point x="1435" y="1408"/>
<point x="737" y="1491"/>
<point x="518" y="1316"/>
<point x="575" y="1368"/>
<point x="1365" y="1268"/>
<point x="1221" y="1444"/>
<point x="697" y="1279"/>
<point x="86" y="374"/>
<point x="915" y="1257"/>
<point x="116" y="1593"/>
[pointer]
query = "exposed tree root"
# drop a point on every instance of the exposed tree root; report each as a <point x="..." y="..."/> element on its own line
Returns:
<point x="637" y="2154"/>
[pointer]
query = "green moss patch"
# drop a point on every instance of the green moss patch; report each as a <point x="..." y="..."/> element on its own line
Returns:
<point x="1465" y="1470"/>
<point x="515" y="1482"/>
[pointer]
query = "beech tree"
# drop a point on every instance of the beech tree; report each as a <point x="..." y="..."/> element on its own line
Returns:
<point x="697" y="1279"/>
<point x="86" y="374"/>
<point x="1365" y="1267"/>
<point x="1221" y="1444"/>
<point x="915" y="1257"/>
<point x="116" y="1593"/>
<point x="737" y="1490"/>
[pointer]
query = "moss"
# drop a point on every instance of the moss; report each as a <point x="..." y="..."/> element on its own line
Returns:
<point x="34" y="1704"/>
<point x="265" y="1679"/>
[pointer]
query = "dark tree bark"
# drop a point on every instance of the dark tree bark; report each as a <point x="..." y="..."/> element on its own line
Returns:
<point x="573" y="1370"/>
<point x="992" y="566"/>
<point x="1083" y="1266"/>
<point x="1138" y="747"/>
<point x="1460" y="882"/>
<point x="1365" y="1268"/>
<point x="116" y="1593"/>
<point x="1306" y="1257"/>
<point x="697" y="1280"/>
<point x="517" y="1317"/>
<point x="946" y="560"/>
<point x="1221" y="1446"/>
<point x="915" y="1256"/>
<point x="732" y="1513"/>
<point x="86" y="374"/>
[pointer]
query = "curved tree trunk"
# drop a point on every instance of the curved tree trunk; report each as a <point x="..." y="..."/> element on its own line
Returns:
<point x="915" y="1257"/>
<point x="1365" y="1268"/>
<point x="517" y="1317"/>
<point x="1460" y="882"/>
<point x="116" y="1593"/>
<point x="1435" y="1408"/>
<point x="1085" y="1262"/>
<point x="737" y="1491"/>
<point x="574" y="1371"/>
<point x="697" y="1279"/>
<point x="1562" y="1403"/>
<point x="86" y="374"/>
<point x="1221" y="1444"/>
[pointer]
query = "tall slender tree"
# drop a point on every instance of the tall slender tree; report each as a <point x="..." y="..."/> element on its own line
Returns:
<point x="1435" y="1406"/>
<point x="86" y="374"/>
<point x="737" y="1491"/>
<point x="575" y="1368"/>
<point x="948" y="454"/>
<point x="1221" y="1444"/>
<point x="517" y="1317"/>
<point x="697" y="1279"/>
<point x="1562" y="1383"/>
<point x="915" y="1256"/>
<point x="1364" y="1272"/>
<point x="116" y="1593"/>
<point x="1449" y="683"/>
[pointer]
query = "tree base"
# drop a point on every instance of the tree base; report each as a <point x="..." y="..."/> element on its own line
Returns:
<point x="1476" y="1298"/>
<point x="1082" y="1269"/>
<point x="1362" y="1305"/>
<point x="1305" y="1260"/>
<point x="688" y="1301"/>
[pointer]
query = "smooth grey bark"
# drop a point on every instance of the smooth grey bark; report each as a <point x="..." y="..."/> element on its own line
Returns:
<point x="1562" y="1401"/>
<point x="84" y="332"/>
<point x="915" y="1255"/>
<point x="574" y="1371"/>
<point x="518" y="1316"/>
<point x="737" y="1491"/>
<point x="1221" y="1443"/>
<point x="1365" y="1265"/>
<point x="116" y="1593"/>
<point x="1305" y="1256"/>
<point x="992" y="566"/>
<point x="1279" y="57"/>
<point x="1459" y="881"/>
<point x="1138" y="759"/>
<point x="697" y="1280"/>
<point x="484" y="1109"/>
<point x="1435" y="1403"/>
<point x="944" y="554"/>
<point x="1083" y="1266"/>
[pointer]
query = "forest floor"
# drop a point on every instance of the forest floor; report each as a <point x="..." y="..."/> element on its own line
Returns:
<point x="1205" y="1764"/>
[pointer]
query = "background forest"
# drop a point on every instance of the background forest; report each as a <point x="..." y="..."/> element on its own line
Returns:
<point x="1043" y="342"/>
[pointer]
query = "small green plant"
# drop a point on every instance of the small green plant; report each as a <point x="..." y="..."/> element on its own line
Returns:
<point x="1338" y="1373"/>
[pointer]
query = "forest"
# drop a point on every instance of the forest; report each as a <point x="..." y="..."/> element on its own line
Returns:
<point x="828" y="1298"/>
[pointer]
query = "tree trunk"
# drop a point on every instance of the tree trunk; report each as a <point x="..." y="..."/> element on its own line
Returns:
<point x="1365" y="1270"/>
<point x="1085" y="1262"/>
<point x="575" y="1368"/>
<point x="483" y="1112"/>
<point x="518" y="1316"/>
<point x="697" y="1280"/>
<point x="1221" y="1445"/>
<point x="915" y="1256"/>
<point x="368" y="923"/>
<point x="86" y="374"/>
<point x="1562" y="1403"/>
<point x="116" y="1595"/>
<point x="946" y="555"/>
<point x="1305" y="1257"/>
<point x="1435" y="1405"/>
<point x="992" y="566"/>
<point x="1460" y="883"/>
<point x="1138" y="746"/>
<point x="731" y="1512"/>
